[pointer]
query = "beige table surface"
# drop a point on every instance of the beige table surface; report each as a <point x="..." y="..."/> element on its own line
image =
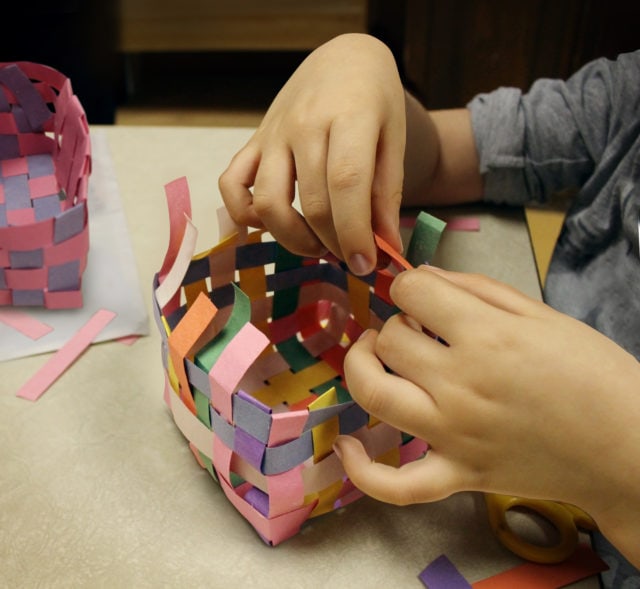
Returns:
<point x="98" y="487"/>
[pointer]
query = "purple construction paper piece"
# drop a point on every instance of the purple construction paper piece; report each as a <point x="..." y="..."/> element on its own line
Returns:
<point x="46" y="207"/>
<point x="284" y="457"/>
<point x="26" y="259"/>
<point x="20" y="117"/>
<point x="252" y="416"/>
<point x="224" y="430"/>
<point x="3" y="282"/>
<point x="16" y="193"/>
<point x="249" y="448"/>
<point x="442" y="574"/>
<point x="9" y="147"/>
<point x="4" y="101"/>
<point x="69" y="223"/>
<point x="34" y="105"/>
<point x="40" y="164"/>
<point x="28" y="298"/>
<point x="64" y="276"/>
<point x="319" y="416"/>
<point x="255" y="254"/>
<point x="258" y="499"/>
<point x="3" y="215"/>
<point x="197" y="377"/>
<point x="353" y="419"/>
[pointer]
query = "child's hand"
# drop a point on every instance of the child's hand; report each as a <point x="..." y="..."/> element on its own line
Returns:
<point x="523" y="400"/>
<point x="337" y="128"/>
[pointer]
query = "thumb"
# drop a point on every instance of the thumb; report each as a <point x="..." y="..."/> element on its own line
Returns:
<point x="427" y="479"/>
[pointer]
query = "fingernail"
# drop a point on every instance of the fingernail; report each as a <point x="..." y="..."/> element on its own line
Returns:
<point x="360" y="265"/>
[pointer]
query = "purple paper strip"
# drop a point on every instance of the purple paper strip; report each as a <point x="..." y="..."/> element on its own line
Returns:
<point x="26" y="259"/>
<point x="69" y="223"/>
<point x="442" y="574"/>
<point x="26" y="94"/>
<point x="252" y="416"/>
<point x="28" y="298"/>
<point x="284" y="457"/>
<point x="64" y="276"/>
<point x="4" y="101"/>
<point x="46" y="207"/>
<point x="20" y="118"/>
<point x="3" y="215"/>
<point x="3" y="282"/>
<point x="9" y="147"/>
<point x="16" y="193"/>
<point x="249" y="448"/>
<point x="225" y="431"/>
<point x="40" y="165"/>
<point x="258" y="499"/>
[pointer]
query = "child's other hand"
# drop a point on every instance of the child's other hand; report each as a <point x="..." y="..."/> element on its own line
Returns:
<point x="337" y="127"/>
<point x="523" y="400"/>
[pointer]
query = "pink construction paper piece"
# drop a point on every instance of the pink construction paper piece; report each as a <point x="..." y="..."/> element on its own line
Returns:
<point x="24" y="323"/>
<point x="43" y="186"/>
<point x="286" y="491"/>
<point x="177" y="194"/>
<point x="233" y="362"/>
<point x="463" y="224"/>
<point x="287" y="426"/>
<point x="191" y="427"/>
<point x="65" y="356"/>
<point x="128" y="340"/>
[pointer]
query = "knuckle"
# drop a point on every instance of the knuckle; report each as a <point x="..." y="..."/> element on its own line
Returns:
<point x="345" y="177"/>
<point x="373" y="398"/>
<point x="404" y="283"/>
<point x="316" y="210"/>
<point x="263" y="204"/>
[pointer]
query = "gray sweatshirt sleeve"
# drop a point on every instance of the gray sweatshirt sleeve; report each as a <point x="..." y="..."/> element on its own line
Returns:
<point x="551" y="138"/>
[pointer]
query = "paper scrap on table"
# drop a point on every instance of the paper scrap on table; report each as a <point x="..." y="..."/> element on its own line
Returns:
<point x="38" y="384"/>
<point x="442" y="574"/>
<point x="583" y="563"/>
<point x="110" y="280"/>
<point x="24" y="323"/>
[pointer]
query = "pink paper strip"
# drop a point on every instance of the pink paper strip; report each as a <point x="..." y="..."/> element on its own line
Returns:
<point x="65" y="356"/>
<point x="24" y="323"/>
<point x="463" y="224"/>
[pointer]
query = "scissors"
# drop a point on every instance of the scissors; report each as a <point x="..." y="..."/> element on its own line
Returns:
<point x="565" y="518"/>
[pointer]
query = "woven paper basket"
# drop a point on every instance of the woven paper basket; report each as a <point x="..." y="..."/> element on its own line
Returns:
<point x="254" y="340"/>
<point x="45" y="163"/>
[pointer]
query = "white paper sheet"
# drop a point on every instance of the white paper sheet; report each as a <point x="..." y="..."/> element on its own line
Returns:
<point x="110" y="280"/>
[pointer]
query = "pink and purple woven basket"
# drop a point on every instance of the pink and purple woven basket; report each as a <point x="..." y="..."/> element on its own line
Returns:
<point x="45" y="162"/>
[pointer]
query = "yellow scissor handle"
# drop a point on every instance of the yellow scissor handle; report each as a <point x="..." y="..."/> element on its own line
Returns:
<point x="564" y="517"/>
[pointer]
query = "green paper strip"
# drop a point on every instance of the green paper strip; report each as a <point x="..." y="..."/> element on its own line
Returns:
<point x="424" y="239"/>
<point x="240" y="315"/>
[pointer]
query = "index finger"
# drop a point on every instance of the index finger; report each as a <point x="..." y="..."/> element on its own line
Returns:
<point x="445" y="308"/>
<point x="351" y="160"/>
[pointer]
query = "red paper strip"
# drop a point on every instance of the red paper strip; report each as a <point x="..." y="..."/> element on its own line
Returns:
<point x="582" y="564"/>
<point x="65" y="356"/>
<point x="24" y="323"/>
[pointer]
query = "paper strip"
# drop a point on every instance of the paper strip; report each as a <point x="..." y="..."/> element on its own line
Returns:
<point x="463" y="224"/>
<point x="24" y="323"/>
<point x="442" y="574"/>
<point x="65" y="356"/>
<point x="583" y="563"/>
